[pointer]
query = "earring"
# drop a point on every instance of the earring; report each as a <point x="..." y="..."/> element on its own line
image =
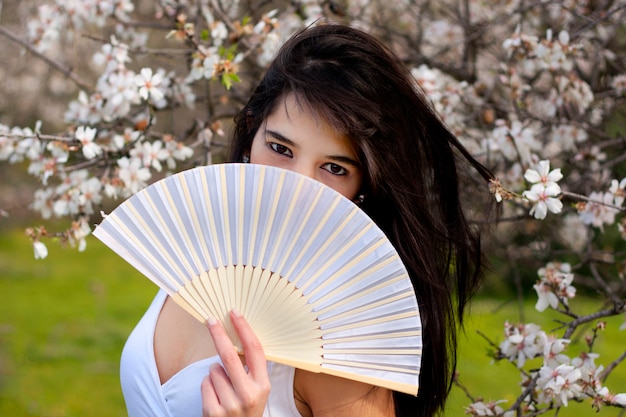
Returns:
<point x="245" y="159"/>
<point x="359" y="199"/>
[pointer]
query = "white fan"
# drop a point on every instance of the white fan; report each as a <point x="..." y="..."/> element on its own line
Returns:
<point x="318" y="281"/>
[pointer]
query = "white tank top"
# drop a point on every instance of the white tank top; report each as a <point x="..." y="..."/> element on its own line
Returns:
<point x="180" y="396"/>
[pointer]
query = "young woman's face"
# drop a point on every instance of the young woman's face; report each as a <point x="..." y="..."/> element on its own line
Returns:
<point x="293" y="138"/>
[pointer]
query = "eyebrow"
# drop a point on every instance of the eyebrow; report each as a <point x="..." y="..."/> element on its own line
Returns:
<point x="337" y="158"/>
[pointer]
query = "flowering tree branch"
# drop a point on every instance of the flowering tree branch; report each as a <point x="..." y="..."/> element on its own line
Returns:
<point x="68" y="72"/>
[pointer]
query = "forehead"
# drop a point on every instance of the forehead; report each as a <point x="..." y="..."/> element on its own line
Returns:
<point x="295" y="111"/>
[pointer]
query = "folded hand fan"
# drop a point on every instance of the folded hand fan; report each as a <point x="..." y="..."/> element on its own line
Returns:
<point x="318" y="281"/>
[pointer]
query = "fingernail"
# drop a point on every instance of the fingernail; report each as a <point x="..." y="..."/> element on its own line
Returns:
<point x="211" y="321"/>
<point x="235" y="312"/>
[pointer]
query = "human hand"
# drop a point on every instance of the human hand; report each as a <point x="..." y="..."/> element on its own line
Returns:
<point x="231" y="389"/>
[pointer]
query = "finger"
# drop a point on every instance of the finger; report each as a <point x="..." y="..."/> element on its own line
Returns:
<point x="210" y="400"/>
<point x="227" y="352"/>
<point x="218" y="396"/>
<point x="223" y="388"/>
<point x="253" y="350"/>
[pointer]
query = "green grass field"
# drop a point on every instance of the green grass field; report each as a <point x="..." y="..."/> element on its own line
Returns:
<point x="64" y="320"/>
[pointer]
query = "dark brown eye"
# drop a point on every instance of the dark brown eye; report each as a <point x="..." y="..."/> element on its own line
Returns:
<point x="281" y="149"/>
<point x="335" y="169"/>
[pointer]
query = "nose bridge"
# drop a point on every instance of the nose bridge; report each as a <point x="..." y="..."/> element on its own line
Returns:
<point x="305" y="167"/>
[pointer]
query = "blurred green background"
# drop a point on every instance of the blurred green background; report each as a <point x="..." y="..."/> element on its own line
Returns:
<point x="64" y="320"/>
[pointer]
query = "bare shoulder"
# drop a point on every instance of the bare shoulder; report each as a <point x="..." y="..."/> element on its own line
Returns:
<point x="320" y="394"/>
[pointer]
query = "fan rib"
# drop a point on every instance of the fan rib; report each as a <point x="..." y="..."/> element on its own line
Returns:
<point x="195" y="219"/>
<point x="212" y="300"/>
<point x="371" y="270"/>
<point x="158" y="262"/>
<point x="196" y="290"/>
<point x="322" y="268"/>
<point x="251" y="280"/>
<point x="373" y="321"/>
<point x="346" y="267"/>
<point x="367" y="337"/>
<point x="301" y="224"/>
<point x="365" y="365"/>
<point x="322" y="249"/>
<point x="168" y="230"/>
<point x="258" y="289"/>
<point x="128" y="246"/>
<point x="238" y="281"/>
<point x="183" y="294"/>
<point x="366" y="307"/>
<point x="212" y="284"/>
<point x="241" y="218"/>
<point x="278" y="243"/>
<point x="185" y="236"/>
<point x="229" y="280"/>
<point x="268" y="227"/>
<point x="363" y="351"/>
<point x="294" y="277"/>
<point x="211" y="216"/>
<point x="226" y="218"/>
<point x="395" y="385"/>
<point x="254" y="214"/>
<point x="373" y="366"/>
<point x="334" y="310"/>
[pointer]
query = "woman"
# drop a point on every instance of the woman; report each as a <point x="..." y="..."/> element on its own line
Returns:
<point x="337" y="106"/>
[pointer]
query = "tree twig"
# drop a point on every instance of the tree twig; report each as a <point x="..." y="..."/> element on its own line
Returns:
<point x="68" y="72"/>
<point x="590" y="317"/>
<point x="605" y="373"/>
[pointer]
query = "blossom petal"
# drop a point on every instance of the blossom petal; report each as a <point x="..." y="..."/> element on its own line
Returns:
<point x="539" y="210"/>
<point x="555" y="175"/>
<point x="532" y="176"/>
<point x="554" y="205"/>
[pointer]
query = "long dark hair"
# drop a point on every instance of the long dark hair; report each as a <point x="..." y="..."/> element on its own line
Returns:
<point x="361" y="88"/>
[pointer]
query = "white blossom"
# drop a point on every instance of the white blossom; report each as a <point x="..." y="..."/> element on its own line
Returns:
<point x="567" y="136"/>
<point x="7" y="143"/>
<point x="617" y="189"/>
<point x="619" y="399"/>
<point x="523" y="342"/>
<point x="204" y="64"/>
<point x="78" y="232"/>
<point x="559" y="384"/>
<point x="515" y="140"/>
<point x="480" y="408"/>
<point x="89" y="194"/>
<point x="150" y="153"/>
<point x="598" y="211"/>
<point x="219" y="32"/>
<point x="544" y="200"/>
<point x="176" y="151"/>
<point x="41" y="251"/>
<point x="43" y="202"/>
<point x="119" y="93"/>
<point x="86" y="135"/>
<point x="149" y="84"/>
<point x="554" y="286"/>
<point x="112" y="56"/>
<point x="619" y="84"/>
<point x="553" y="355"/>
<point x="575" y="94"/>
<point x="271" y="42"/>
<point x="84" y="110"/>
<point x="573" y="232"/>
<point x="541" y="174"/>
<point x="133" y="174"/>
<point x="45" y="30"/>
